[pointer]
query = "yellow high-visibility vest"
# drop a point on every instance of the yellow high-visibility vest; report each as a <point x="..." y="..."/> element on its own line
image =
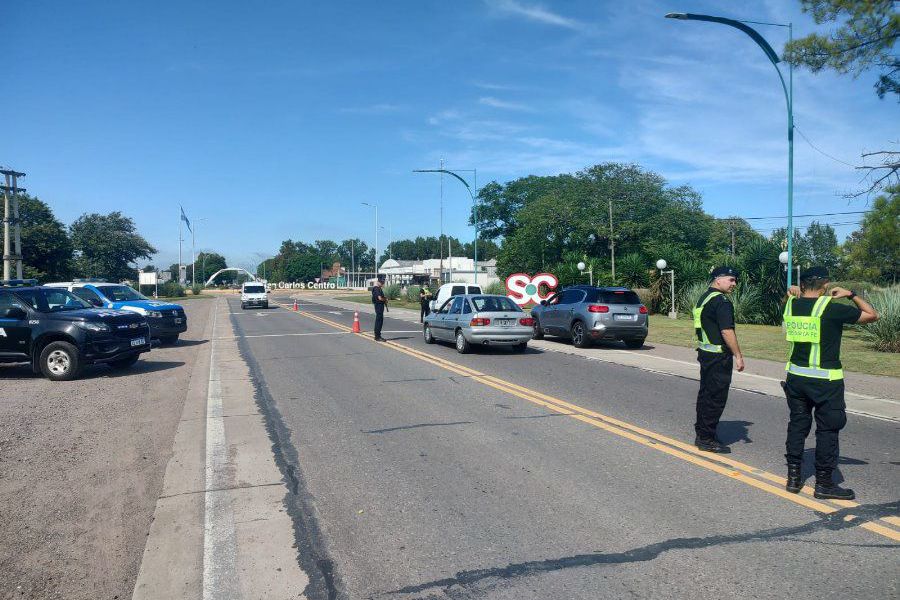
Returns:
<point x="808" y="330"/>
<point x="704" y="343"/>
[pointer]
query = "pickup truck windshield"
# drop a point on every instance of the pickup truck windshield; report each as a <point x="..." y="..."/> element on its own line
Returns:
<point x="51" y="300"/>
<point x="121" y="293"/>
<point x="254" y="289"/>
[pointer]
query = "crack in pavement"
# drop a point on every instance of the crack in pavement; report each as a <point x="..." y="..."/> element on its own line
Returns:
<point x="389" y="429"/>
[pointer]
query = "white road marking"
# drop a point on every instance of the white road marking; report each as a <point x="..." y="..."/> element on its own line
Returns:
<point x="219" y="546"/>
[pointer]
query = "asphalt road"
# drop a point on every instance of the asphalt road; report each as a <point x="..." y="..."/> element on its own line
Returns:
<point x="420" y="476"/>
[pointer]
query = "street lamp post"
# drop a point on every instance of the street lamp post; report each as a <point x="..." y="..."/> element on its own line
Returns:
<point x="474" y="210"/>
<point x="375" y="206"/>
<point x="788" y="96"/>
<point x="590" y="271"/>
<point x="783" y="259"/>
<point x="661" y="265"/>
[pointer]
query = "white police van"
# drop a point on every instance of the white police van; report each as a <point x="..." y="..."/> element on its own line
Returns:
<point x="253" y="293"/>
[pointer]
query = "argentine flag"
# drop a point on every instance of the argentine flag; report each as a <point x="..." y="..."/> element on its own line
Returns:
<point x="185" y="219"/>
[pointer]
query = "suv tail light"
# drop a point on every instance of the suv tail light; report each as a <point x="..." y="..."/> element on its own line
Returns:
<point x="527" y="321"/>
<point x="598" y="308"/>
<point x="479" y="322"/>
<point x="643" y="310"/>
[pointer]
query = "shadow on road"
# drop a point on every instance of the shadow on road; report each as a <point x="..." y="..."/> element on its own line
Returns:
<point x="479" y="581"/>
<point x="730" y="432"/>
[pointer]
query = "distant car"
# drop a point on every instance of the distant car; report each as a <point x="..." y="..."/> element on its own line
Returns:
<point x="254" y="294"/>
<point x="481" y="319"/>
<point x="59" y="333"/>
<point x="584" y="314"/>
<point x="167" y="321"/>
<point x="448" y="290"/>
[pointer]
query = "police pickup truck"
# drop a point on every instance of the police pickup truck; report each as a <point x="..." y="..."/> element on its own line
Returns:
<point x="166" y="320"/>
<point x="59" y="333"/>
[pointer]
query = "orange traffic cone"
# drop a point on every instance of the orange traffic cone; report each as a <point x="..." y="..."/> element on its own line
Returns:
<point x="296" y="306"/>
<point x="356" y="322"/>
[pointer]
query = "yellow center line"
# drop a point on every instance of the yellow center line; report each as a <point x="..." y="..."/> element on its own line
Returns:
<point x="720" y="464"/>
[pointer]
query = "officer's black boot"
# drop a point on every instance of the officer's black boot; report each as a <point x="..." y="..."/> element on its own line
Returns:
<point x="826" y="489"/>
<point x="794" y="482"/>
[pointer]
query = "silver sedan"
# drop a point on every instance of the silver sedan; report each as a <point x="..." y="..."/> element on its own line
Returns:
<point x="479" y="319"/>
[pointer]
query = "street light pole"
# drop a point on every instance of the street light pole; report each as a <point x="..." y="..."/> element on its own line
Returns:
<point x="375" y="206"/>
<point x="788" y="96"/>
<point x="474" y="208"/>
<point x="661" y="265"/>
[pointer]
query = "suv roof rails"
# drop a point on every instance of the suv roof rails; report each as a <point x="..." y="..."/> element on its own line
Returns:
<point x="18" y="282"/>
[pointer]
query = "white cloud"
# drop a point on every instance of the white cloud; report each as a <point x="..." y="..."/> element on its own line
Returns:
<point x="503" y="104"/>
<point x="534" y="12"/>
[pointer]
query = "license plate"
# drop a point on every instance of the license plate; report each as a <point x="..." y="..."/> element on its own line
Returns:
<point x="504" y="322"/>
<point x="623" y="317"/>
<point x="177" y="320"/>
<point x="138" y="342"/>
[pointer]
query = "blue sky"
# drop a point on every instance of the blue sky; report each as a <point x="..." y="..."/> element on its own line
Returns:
<point x="274" y="120"/>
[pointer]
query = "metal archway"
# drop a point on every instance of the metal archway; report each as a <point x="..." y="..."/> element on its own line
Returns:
<point x="236" y="269"/>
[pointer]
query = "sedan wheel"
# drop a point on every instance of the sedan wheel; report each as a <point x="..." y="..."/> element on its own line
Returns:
<point x="538" y="333"/>
<point x="462" y="345"/>
<point x="429" y="337"/>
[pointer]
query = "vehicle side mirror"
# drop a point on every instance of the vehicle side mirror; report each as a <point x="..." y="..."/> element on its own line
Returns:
<point x="96" y="302"/>
<point x="543" y="303"/>
<point x="13" y="312"/>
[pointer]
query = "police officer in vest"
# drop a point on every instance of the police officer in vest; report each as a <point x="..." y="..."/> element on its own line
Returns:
<point x="718" y="353"/>
<point x="815" y="382"/>
<point x="379" y="301"/>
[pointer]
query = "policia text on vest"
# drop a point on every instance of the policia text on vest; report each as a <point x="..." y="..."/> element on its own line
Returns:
<point x="814" y="385"/>
<point x="718" y="353"/>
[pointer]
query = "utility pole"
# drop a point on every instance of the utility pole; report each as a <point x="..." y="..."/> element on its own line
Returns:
<point x="732" y="238"/>
<point x="441" y="271"/>
<point x="12" y="218"/>
<point x="612" y="243"/>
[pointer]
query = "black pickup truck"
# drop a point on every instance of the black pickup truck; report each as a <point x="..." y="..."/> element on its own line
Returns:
<point x="59" y="333"/>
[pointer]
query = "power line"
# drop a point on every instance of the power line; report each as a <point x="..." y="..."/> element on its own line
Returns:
<point x="822" y="152"/>
<point x="833" y="214"/>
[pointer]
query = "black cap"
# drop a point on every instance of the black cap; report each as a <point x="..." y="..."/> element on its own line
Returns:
<point x="814" y="273"/>
<point x="381" y="278"/>
<point x="724" y="272"/>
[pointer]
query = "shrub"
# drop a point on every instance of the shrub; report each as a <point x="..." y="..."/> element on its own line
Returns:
<point x="686" y="298"/>
<point x="392" y="292"/>
<point x="884" y="334"/>
<point x="412" y="293"/>
<point x="496" y="287"/>
<point x="171" y="289"/>
<point x="197" y="289"/>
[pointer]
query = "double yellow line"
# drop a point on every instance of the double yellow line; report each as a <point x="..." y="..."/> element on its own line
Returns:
<point x="733" y="469"/>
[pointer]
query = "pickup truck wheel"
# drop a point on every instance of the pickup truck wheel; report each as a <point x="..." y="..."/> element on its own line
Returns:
<point x="60" y="361"/>
<point x="124" y="363"/>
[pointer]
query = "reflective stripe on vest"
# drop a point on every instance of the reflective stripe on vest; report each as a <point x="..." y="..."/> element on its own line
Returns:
<point x="808" y="330"/>
<point x="704" y="343"/>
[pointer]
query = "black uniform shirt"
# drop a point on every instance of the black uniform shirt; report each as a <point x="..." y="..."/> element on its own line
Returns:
<point x="718" y="314"/>
<point x="377" y="294"/>
<point x="423" y="297"/>
<point x="833" y="319"/>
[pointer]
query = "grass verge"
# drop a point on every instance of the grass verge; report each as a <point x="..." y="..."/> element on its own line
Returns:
<point x="767" y="341"/>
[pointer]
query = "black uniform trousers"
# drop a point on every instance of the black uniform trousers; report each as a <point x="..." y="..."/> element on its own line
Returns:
<point x="807" y="396"/>
<point x="426" y="310"/>
<point x="379" y="318"/>
<point x="715" y="379"/>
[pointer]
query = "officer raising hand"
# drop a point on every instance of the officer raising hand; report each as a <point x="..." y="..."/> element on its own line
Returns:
<point x="814" y="384"/>
<point x="718" y="353"/>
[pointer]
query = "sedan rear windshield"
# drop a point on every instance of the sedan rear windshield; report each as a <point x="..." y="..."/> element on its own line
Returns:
<point x="254" y="289"/>
<point x="617" y="297"/>
<point x="494" y="304"/>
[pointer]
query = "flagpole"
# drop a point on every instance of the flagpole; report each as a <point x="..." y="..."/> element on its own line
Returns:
<point x="179" y="249"/>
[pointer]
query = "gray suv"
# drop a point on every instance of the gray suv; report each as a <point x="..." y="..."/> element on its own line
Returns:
<point x="585" y="313"/>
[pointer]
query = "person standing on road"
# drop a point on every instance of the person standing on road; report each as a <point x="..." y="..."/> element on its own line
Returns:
<point x="424" y="302"/>
<point x="814" y="384"/>
<point x="718" y="353"/>
<point x="379" y="300"/>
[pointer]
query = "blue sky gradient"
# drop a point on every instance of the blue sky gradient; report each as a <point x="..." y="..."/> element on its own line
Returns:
<point x="275" y="120"/>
